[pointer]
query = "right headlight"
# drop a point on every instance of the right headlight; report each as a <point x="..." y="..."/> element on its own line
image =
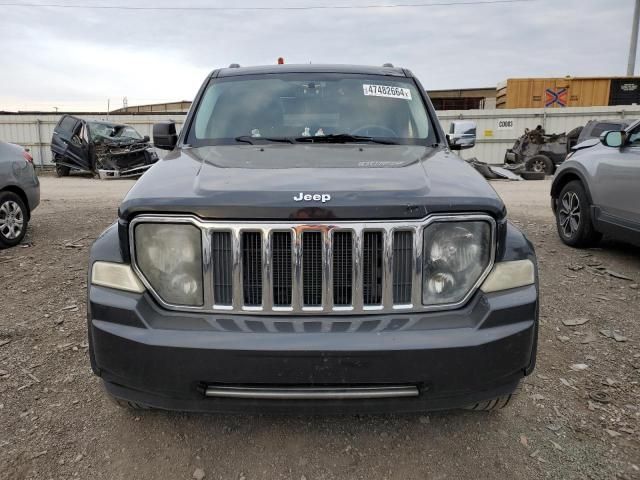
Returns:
<point x="170" y="258"/>
<point x="456" y="254"/>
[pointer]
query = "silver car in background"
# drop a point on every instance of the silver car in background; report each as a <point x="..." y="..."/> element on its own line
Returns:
<point x="596" y="190"/>
<point x="19" y="193"/>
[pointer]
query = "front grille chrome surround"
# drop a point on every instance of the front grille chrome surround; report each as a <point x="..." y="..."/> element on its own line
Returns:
<point x="363" y="296"/>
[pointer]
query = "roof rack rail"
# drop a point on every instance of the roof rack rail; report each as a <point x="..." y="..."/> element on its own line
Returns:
<point x="388" y="65"/>
<point x="234" y="65"/>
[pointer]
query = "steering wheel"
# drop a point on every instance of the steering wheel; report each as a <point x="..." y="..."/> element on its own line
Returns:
<point x="375" y="131"/>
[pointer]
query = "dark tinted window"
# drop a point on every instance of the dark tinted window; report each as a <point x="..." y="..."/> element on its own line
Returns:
<point x="67" y="124"/>
<point x="634" y="137"/>
<point x="605" y="127"/>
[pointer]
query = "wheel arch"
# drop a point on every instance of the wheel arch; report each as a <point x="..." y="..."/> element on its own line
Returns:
<point x="563" y="179"/>
<point x="23" y="196"/>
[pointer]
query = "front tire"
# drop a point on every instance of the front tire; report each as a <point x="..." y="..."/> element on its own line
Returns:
<point x="497" y="403"/>
<point x="573" y="217"/>
<point x="13" y="219"/>
<point x="62" y="170"/>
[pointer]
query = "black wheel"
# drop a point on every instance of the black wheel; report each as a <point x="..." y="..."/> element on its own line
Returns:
<point x="533" y="175"/>
<point x="62" y="171"/>
<point x="497" y="403"/>
<point x="540" y="164"/>
<point x="13" y="219"/>
<point x="573" y="217"/>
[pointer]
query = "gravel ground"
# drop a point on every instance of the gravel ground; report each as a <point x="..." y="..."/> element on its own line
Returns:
<point x="578" y="415"/>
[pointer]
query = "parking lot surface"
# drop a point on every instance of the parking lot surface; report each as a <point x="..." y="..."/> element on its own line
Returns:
<point x="578" y="415"/>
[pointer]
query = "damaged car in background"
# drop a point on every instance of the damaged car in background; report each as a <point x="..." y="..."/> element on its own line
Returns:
<point x="538" y="152"/>
<point x="110" y="150"/>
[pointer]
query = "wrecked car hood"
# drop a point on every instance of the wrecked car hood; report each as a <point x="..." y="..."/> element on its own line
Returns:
<point x="120" y="141"/>
<point x="259" y="182"/>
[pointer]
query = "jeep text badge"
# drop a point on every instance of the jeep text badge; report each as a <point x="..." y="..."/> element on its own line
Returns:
<point x="316" y="197"/>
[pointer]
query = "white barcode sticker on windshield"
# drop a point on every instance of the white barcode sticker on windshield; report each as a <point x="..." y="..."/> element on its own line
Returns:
<point x="386" y="91"/>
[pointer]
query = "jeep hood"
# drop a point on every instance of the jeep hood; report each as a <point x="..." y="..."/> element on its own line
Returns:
<point x="259" y="182"/>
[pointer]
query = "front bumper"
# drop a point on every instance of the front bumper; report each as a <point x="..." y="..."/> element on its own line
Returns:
<point x="168" y="359"/>
<point x="123" y="173"/>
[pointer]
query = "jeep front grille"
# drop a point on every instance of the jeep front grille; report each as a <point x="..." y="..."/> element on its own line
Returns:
<point x="314" y="267"/>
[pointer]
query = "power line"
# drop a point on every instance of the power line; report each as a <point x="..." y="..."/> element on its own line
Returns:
<point x="291" y="8"/>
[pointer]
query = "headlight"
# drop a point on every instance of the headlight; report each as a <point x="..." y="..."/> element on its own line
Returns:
<point x="456" y="254"/>
<point x="170" y="257"/>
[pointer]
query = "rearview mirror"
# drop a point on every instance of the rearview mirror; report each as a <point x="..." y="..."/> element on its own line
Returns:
<point x="612" y="139"/>
<point x="462" y="134"/>
<point x="164" y="135"/>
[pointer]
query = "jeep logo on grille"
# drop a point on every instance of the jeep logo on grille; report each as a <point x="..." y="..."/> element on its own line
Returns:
<point x="312" y="197"/>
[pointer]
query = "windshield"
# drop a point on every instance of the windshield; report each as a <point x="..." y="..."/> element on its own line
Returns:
<point x="112" y="131"/>
<point x="311" y="107"/>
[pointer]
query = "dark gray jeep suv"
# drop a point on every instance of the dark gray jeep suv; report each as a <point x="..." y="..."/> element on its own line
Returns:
<point x="311" y="243"/>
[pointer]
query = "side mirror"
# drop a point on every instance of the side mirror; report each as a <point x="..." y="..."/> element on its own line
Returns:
<point x="146" y="138"/>
<point x="462" y="134"/>
<point x="612" y="139"/>
<point x="164" y="135"/>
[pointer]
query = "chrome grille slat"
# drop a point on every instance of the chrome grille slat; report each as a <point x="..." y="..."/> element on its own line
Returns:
<point x="356" y="298"/>
<point x="267" y="270"/>
<point x="312" y="268"/>
<point x="387" y="268"/>
<point x="418" y="252"/>
<point x="327" y="270"/>
<point x="237" y="270"/>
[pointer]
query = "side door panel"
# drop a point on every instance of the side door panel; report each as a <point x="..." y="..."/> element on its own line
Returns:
<point x="70" y="144"/>
<point x="617" y="181"/>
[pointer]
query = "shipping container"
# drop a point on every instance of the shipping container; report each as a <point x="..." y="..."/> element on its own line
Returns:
<point x="625" y="91"/>
<point x="568" y="92"/>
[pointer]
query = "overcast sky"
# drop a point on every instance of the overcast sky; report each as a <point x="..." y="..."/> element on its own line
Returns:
<point x="76" y="59"/>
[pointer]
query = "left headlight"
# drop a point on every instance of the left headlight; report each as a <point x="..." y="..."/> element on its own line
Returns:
<point x="456" y="254"/>
<point x="170" y="258"/>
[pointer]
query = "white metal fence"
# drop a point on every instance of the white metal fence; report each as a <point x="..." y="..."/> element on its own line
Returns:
<point x="497" y="129"/>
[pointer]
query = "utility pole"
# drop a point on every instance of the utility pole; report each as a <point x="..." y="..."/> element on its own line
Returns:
<point x="631" y="66"/>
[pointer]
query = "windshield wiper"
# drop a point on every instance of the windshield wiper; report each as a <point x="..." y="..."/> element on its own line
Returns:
<point x="251" y="140"/>
<point x="345" y="138"/>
